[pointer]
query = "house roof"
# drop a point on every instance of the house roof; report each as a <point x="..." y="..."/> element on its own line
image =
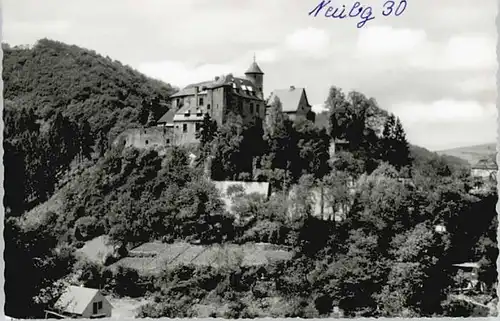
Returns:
<point x="254" y="69"/>
<point x="241" y="87"/>
<point x="167" y="118"/>
<point x="75" y="299"/>
<point x="289" y="98"/>
<point x="486" y="164"/>
<point x="186" y="113"/>
<point x="473" y="265"/>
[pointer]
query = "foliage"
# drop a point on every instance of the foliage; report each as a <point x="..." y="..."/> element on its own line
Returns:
<point x="384" y="259"/>
<point x="52" y="76"/>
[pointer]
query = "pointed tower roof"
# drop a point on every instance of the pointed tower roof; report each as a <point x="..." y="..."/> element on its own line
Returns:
<point x="254" y="68"/>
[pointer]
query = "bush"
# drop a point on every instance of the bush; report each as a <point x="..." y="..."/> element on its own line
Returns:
<point x="86" y="228"/>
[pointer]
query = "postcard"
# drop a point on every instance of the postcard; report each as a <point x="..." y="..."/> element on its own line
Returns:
<point x="249" y="159"/>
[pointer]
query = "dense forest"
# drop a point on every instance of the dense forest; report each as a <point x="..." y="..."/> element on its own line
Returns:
<point x="65" y="184"/>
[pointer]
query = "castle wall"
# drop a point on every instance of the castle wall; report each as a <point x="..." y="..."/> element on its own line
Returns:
<point x="144" y="138"/>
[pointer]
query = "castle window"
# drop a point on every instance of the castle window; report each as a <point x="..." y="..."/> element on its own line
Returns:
<point x="201" y="101"/>
<point x="208" y="107"/>
<point x="251" y="108"/>
<point x="168" y="141"/>
<point x="198" y="127"/>
<point x="184" y="128"/>
<point x="147" y="141"/>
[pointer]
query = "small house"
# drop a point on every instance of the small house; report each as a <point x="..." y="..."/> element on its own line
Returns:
<point x="485" y="169"/>
<point x="294" y="103"/>
<point x="471" y="273"/>
<point x="81" y="302"/>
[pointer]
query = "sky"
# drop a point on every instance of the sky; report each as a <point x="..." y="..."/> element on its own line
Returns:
<point x="433" y="66"/>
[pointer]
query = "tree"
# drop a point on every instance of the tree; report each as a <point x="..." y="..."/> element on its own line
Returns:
<point x="395" y="147"/>
<point x="208" y="131"/>
<point x="418" y="281"/>
<point x="340" y="116"/>
<point x="402" y="157"/>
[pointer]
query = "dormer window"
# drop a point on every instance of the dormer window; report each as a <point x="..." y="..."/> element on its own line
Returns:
<point x="187" y="113"/>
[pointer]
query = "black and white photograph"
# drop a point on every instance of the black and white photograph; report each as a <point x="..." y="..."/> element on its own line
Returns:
<point x="249" y="159"/>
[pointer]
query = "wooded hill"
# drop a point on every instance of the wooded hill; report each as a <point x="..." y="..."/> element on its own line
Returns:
<point x="64" y="103"/>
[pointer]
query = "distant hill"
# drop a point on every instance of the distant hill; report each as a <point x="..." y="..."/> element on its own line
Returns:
<point x="471" y="154"/>
<point x="52" y="76"/>
<point x="423" y="157"/>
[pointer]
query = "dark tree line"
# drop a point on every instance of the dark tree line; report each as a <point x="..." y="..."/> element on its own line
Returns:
<point x="38" y="155"/>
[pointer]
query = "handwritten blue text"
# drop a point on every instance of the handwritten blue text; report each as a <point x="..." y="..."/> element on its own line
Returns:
<point x="356" y="10"/>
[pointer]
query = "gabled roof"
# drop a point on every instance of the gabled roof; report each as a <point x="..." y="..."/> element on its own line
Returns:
<point x="167" y="118"/>
<point x="241" y="87"/>
<point x="75" y="299"/>
<point x="488" y="164"/>
<point x="289" y="98"/>
<point x="473" y="265"/>
<point x="254" y="69"/>
<point x="188" y="113"/>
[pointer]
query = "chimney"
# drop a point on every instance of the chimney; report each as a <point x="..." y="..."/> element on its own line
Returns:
<point x="196" y="89"/>
<point x="292" y="88"/>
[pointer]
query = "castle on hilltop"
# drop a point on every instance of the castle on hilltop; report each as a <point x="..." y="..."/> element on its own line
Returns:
<point x="218" y="97"/>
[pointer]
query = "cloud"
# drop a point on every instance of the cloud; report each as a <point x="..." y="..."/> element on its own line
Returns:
<point x="411" y="48"/>
<point x="475" y="85"/>
<point x="444" y="111"/>
<point x="318" y="108"/>
<point x="181" y="74"/>
<point x="460" y="52"/>
<point x="387" y="41"/>
<point x="310" y="42"/>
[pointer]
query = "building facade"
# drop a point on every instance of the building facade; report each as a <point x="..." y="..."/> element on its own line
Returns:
<point x="294" y="103"/>
<point x="217" y="98"/>
<point x="81" y="302"/>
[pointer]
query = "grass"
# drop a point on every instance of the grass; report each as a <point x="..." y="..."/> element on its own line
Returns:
<point x="96" y="249"/>
<point x="125" y="308"/>
<point x="169" y="255"/>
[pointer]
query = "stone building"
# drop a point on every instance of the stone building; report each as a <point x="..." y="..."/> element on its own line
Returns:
<point x="243" y="96"/>
<point x="217" y="98"/>
<point x="294" y="103"/>
<point x="145" y="138"/>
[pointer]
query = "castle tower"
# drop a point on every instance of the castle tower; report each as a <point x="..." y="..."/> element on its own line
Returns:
<point x="256" y="76"/>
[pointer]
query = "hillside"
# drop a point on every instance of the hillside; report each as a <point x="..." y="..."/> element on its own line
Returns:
<point x="471" y="154"/>
<point x="53" y="76"/>
<point x="64" y="203"/>
<point x="420" y="155"/>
